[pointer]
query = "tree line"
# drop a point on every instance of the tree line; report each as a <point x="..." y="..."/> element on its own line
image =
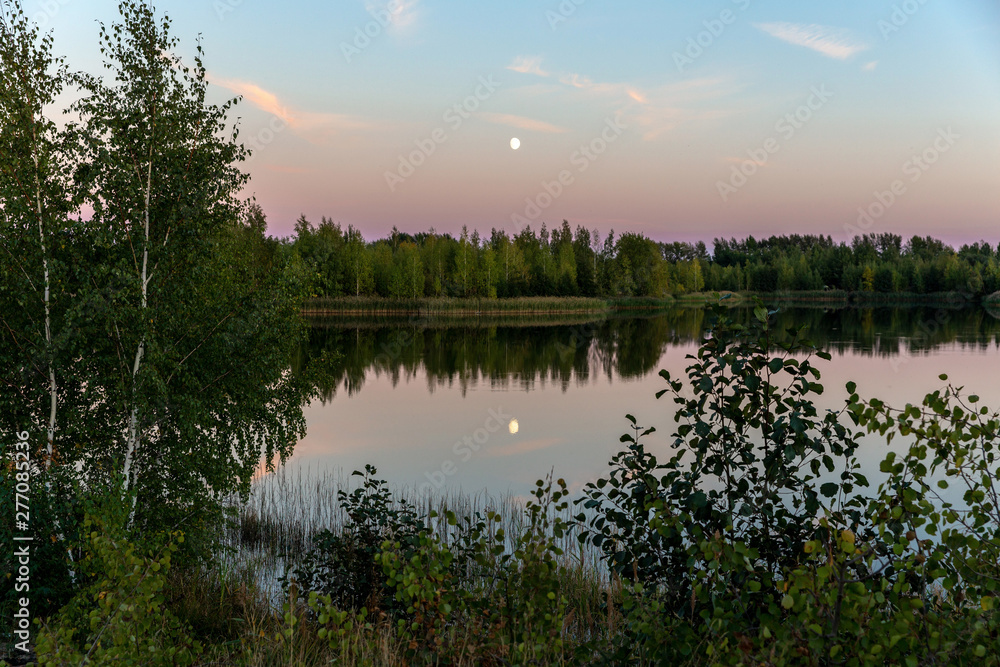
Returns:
<point x="563" y="262"/>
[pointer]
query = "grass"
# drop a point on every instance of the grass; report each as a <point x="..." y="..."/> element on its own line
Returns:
<point x="286" y="508"/>
<point x="641" y="303"/>
<point x="840" y="298"/>
<point x="367" y="309"/>
<point x="441" y="306"/>
<point x="237" y="605"/>
<point x="517" y="307"/>
<point x="701" y="298"/>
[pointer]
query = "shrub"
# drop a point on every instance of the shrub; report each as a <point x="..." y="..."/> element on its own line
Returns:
<point x="343" y="565"/>
<point x="755" y="542"/>
<point x="120" y="616"/>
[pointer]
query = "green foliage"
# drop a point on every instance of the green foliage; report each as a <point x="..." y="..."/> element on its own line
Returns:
<point x="756" y="449"/>
<point x="537" y="611"/>
<point x="344" y="631"/>
<point x="762" y="546"/>
<point x="126" y="332"/>
<point x="567" y="263"/>
<point x="343" y="565"/>
<point x="425" y="586"/>
<point x="119" y="616"/>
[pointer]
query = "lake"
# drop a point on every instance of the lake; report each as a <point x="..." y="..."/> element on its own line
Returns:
<point x="475" y="405"/>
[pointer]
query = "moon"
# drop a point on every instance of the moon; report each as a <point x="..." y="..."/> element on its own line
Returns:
<point x="515" y="143"/>
<point x="512" y="426"/>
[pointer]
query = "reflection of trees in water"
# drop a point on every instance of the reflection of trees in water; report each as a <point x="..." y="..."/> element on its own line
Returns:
<point x="889" y="332"/>
<point x="505" y="354"/>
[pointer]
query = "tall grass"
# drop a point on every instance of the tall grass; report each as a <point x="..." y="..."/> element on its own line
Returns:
<point x="239" y="604"/>
<point x="641" y="303"/>
<point x="468" y="306"/>
<point x="287" y="508"/>
<point x="953" y="299"/>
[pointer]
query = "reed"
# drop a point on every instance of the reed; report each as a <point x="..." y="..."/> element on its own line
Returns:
<point x="437" y="306"/>
<point x="287" y="508"/>
<point x="239" y="605"/>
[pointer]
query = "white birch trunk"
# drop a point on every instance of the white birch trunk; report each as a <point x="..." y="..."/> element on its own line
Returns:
<point x="133" y="427"/>
<point x="53" y="392"/>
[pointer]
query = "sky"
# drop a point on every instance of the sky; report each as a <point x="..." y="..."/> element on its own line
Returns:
<point x="683" y="121"/>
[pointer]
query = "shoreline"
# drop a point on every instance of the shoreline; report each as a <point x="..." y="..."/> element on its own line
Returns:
<point x="562" y="306"/>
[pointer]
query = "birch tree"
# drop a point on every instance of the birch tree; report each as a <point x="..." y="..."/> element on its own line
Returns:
<point x="34" y="202"/>
<point x="161" y="323"/>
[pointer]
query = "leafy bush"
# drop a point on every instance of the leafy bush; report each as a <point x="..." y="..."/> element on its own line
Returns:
<point x="119" y="617"/>
<point x="344" y="565"/>
<point x="755" y="542"/>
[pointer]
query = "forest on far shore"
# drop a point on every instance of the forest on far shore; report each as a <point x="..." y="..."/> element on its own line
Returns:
<point x="561" y="262"/>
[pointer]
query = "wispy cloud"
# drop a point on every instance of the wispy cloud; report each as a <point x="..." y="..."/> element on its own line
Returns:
<point x="528" y="65"/>
<point x="315" y="125"/>
<point x="522" y="123"/>
<point x="831" y="42"/>
<point x="652" y="111"/>
<point x="262" y="99"/>
<point x="870" y="67"/>
<point x="586" y="83"/>
<point x="660" y="111"/>
<point x="401" y="13"/>
<point x="637" y="96"/>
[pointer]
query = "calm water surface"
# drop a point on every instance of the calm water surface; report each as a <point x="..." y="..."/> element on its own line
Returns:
<point x="431" y="402"/>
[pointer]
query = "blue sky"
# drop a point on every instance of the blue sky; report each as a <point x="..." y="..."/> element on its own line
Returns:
<point x="684" y="121"/>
